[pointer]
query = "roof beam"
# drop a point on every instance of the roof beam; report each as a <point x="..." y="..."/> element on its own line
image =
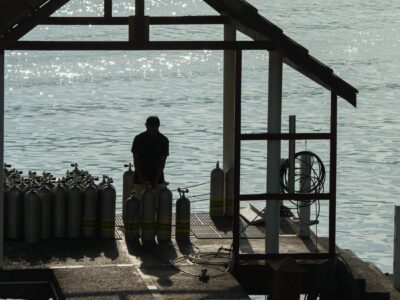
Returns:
<point x="179" y="20"/>
<point x="30" y="22"/>
<point x="155" y="45"/>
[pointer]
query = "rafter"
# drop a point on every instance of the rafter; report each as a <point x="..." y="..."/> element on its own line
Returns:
<point x="30" y="22"/>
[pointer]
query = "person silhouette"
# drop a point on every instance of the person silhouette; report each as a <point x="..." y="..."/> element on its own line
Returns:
<point x="150" y="150"/>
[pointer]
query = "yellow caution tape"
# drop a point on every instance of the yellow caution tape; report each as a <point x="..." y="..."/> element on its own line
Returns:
<point x="107" y="224"/>
<point x="89" y="222"/>
<point x="183" y="226"/>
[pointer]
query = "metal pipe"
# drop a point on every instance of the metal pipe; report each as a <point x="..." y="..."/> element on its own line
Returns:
<point x="305" y="185"/>
<point x="272" y="216"/>
<point x="292" y="152"/>
<point x="396" y="250"/>
<point x="236" y="159"/>
<point x="332" y="176"/>
<point x="2" y="74"/>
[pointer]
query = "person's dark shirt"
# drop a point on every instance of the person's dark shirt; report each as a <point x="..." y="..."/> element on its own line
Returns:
<point x="150" y="150"/>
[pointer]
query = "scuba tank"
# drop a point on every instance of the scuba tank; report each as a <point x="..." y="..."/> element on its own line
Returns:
<point x="45" y="197"/>
<point x="59" y="210"/>
<point x="182" y="216"/>
<point x="164" y="214"/>
<point x="74" y="211"/>
<point x="107" y="210"/>
<point x="148" y="205"/>
<point x="32" y="218"/>
<point x="102" y="183"/>
<point x="6" y="188"/>
<point x="13" y="212"/>
<point x="216" y="192"/>
<point x="132" y="218"/>
<point x="228" y="196"/>
<point x="89" y="211"/>
<point x="127" y="186"/>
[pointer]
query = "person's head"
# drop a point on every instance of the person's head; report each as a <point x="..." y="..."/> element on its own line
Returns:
<point x="152" y="125"/>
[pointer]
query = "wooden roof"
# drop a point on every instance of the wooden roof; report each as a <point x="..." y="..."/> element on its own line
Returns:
<point x="17" y="17"/>
<point x="250" y="22"/>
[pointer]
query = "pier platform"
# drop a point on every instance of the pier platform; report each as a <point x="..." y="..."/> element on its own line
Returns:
<point x="118" y="269"/>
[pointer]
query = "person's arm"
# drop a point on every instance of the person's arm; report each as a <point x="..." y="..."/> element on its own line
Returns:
<point x="138" y="167"/>
<point x="160" y="169"/>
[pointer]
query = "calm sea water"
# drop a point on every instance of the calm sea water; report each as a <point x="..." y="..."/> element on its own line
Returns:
<point x="86" y="107"/>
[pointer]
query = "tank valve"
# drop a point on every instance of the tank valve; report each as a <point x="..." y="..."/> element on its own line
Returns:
<point x="204" y="276"/>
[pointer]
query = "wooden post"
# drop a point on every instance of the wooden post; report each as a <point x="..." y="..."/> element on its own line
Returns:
<point x="2" y="74"/>
<point x="332" y="176"/>
<point x="272" y="216"/>
<point x="229" y="102"/>
<point x="108" y="9"/>
<point x="396" y="250"/>
<point x="131" y="28"/>
<point x="141" y="24"/>
<point x="236" y="159"/>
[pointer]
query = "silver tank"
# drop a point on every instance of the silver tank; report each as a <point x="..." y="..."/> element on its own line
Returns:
<point x="32" y="218"/>
<point x="6" y="188"/>
<point x="228" y="196"/>
<point x="74" y="212"/>
<point x="46" y="212"/>
<point x="164" y="214"/>
<point x="103" y="183"/>
<point x="89" y="213"/>
<point x="148" y="214"/>
<point x="182" y="217"/>
<point x="132" y="218"/>
<point x="14" y="213"/>
<point x="107" y="210"/>
<point x="59" y="211"/>
<point x="217" y="192"/>
<point x="127" y="186"/>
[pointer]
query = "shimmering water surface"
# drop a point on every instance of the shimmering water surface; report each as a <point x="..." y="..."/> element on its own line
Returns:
<point x="85" y="107"/>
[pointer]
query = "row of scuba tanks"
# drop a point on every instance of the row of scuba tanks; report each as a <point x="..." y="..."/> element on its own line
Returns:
<point x="147" y="211"/>
<point x="39" y="207"/>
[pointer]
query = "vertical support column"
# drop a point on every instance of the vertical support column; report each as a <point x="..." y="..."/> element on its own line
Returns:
<point x="332" y="176"/>
<point x="108" y="9"/>
<point x="305" y="185"/>
<point x="236" y="159"/>
<point x="229" y="98"/>
<point x="228" y="114"/>
<point x="292" y="152"/>
<point x="2" y="74"/>
<point x="272" y="216"/>
<point x="141" y="24"/>
<point x="396" y="249"/>
<point x="139" y="8"/>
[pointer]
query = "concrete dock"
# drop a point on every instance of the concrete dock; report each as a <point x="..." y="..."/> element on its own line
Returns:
<point x="117" y="269"/>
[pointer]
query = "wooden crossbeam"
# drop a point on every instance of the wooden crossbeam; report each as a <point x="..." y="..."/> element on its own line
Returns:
<point x="155" y="45"/>
<point x="175" y="20"/>
<point x="285" y="136"/>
